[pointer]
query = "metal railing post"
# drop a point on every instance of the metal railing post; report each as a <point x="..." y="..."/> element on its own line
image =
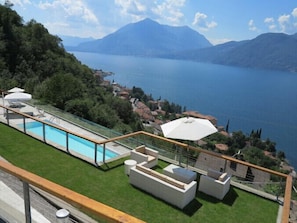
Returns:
<point x="43" y="131"/>
<point x="67" y="142"/>
<point x="24" y="124"/>
<point x="27" y="202"/>
<point x="104" y="153"/>
<point x="95" y="153"/>
<point x="7" y="117"/>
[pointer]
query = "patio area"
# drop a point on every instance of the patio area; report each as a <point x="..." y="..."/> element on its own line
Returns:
<point x="120" y="194"/>
<point x="95" y="183"/>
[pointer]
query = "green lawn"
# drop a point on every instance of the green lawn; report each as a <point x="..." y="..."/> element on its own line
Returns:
<point x="110" y="186"/>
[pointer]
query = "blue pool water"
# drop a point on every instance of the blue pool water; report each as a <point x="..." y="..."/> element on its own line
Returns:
<point x="75" y="143"/>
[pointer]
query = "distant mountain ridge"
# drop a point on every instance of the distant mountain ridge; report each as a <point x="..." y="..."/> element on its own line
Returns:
<point x="276" y="51"/>
<point x="146" y="38"/>
<point x="69" y="41"/>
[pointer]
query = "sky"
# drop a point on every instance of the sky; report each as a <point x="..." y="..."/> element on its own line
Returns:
<point x="218" y="20"/>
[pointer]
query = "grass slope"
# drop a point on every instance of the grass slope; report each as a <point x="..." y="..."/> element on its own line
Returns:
<point x="111" y="186"/>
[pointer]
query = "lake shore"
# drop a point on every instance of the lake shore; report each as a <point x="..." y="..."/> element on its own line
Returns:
<point x="249" y="98"/>
<point x="150" y="117"/>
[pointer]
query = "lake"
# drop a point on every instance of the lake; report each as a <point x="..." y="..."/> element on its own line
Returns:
<point x="248" y="98"/>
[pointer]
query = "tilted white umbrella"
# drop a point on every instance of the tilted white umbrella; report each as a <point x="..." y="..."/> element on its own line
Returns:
<point x="188" y="128"/>
<point x="18" y="96"/>
<point x="15" y="90"/>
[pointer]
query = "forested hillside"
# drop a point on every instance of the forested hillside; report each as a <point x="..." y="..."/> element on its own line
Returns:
<point x="33" y="59"/>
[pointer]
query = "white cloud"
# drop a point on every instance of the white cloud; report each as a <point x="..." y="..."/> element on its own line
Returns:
<point x="284" y="22"/>
<point x="252" y="25"/>
<point x="20" y="2"/>
<point x="131" y="8"/>
<point x="212" y="24"/>
<point x="168" y="10"/>
<point x="68" y="17"/>
<point x="294" y="12"/>
<point x="200" y="20"/>
<point x="269" y="20"/>
<point x="270" y="23"/>
<point x="75" y="9"/>
<point x="80" y="30"/>
<point x="272" y="27"/>
<point x="284" y="19"/>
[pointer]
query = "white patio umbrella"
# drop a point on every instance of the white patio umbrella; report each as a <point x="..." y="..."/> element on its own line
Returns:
<point x="18" y="96"/>
<point x="15" y="89"/>
<point x="188" y="128"/>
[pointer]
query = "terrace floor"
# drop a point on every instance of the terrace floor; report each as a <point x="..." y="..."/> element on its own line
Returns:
<point x="238" y="204"/>
<point x="202" y="209"/>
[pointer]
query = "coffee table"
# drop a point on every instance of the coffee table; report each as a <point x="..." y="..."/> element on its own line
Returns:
<point x="180" y="173"/>
<point x="128" y="165"/>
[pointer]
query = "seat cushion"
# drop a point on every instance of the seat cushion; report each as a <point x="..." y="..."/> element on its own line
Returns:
<point x="223" y="177"/>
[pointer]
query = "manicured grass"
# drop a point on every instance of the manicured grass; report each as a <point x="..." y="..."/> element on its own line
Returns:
<point x="110" y="186"/>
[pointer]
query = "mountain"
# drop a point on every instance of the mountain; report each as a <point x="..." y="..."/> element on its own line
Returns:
<point x="275" y="51"/>
<point x="73" y="40"/>
<point x="146" y="38"/>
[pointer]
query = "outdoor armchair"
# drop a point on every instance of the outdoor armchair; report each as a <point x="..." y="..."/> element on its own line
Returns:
<point x="145" y="154"/>
<point x="215" y="183"/>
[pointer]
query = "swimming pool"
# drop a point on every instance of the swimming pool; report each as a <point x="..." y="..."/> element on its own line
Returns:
<point x="75" y="143"/>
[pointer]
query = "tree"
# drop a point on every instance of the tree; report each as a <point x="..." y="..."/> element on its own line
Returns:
<point x="281" y="155"/>
<point x="238" y="140"/>
<point x="10" y="23"/>
<point x="104" y="115"/>
<point x="33" y="59"/>
<point x="8" y="4"/>
<point x="123" y="108"/>
<point x="61" y="88"/>
<point x="80" y="107"/>
<point x="270" y="146"/>
<point x="227" y="126"/>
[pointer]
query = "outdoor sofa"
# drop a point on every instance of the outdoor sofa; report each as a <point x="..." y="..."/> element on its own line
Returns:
<point x="175" y="192"/>
<point x="215" y="183"/>
<point x="144" y="154"/>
